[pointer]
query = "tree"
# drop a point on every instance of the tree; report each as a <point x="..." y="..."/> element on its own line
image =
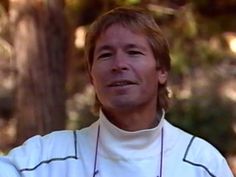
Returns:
<point x="40" y="40"/>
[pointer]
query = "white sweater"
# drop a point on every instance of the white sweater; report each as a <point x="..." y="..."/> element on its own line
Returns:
<point x="164" y="151"/>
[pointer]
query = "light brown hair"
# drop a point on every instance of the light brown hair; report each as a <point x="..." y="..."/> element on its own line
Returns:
<point x="136" y="20"/>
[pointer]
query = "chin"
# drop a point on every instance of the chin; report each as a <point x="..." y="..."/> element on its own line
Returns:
<point x="124" y="105"/>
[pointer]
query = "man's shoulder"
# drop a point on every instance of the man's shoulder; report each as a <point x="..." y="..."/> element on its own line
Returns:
<point x="203" y="155"/>
<point x="197" y="152"/>
<point x="58" y="145"/>
<point x="192" y="141"/>
<point x="200" y="150"/>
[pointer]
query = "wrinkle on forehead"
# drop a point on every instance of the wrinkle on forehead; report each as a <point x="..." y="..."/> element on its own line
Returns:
<point x="118" y="36"/>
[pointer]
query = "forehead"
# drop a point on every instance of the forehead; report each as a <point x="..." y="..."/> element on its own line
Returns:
<point x="117" y="34"/>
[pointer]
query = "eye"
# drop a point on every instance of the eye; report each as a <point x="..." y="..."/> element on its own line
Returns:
<point x="134" y="52"/>
<point x="104" y="55"/>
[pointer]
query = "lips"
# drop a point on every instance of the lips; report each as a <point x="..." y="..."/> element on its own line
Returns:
<point x="121" y="83"/>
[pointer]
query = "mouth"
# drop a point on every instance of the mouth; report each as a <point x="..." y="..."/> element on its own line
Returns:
<point x="121" y="83"/>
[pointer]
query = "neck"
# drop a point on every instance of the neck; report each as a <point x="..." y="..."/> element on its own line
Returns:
<point x="134" y="120"/>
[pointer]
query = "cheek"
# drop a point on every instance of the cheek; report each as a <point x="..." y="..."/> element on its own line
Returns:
<point x="152" y="78"/>
<point x="97" y="76"/>
<point x="150" y="71"/>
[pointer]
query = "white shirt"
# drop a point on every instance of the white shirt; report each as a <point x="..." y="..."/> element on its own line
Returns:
<point x="163" y="151"/>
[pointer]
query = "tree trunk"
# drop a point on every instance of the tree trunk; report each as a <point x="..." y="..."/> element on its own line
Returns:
<point x="40" y="48"/>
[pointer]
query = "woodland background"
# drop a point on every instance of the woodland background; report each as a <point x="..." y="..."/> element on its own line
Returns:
<point x="44" y="83"/>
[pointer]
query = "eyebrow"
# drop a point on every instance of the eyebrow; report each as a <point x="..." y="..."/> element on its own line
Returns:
<point x="129" y="46"/>
<point x="136" y="46"/>
<point x="104" y="47"/>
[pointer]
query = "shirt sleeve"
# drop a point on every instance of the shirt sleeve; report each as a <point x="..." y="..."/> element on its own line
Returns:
<point x="20" y="157"/>
<point x="7" y="168"/>
<point x="36" y="151"/>
<point x="208" y="157"/>
<point x="223" y="169"/>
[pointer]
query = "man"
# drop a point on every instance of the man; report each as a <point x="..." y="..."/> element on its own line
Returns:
<point x="128" y="61"/>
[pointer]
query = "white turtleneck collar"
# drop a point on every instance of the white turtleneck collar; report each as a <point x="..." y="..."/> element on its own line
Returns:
<point x="118" y="144"/>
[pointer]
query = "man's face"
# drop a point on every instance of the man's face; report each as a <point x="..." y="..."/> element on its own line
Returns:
<point x="124" y="72"/>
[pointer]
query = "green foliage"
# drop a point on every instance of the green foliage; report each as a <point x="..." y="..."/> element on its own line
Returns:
<point x="127" y="2"/>
<point x="197" y="51"/>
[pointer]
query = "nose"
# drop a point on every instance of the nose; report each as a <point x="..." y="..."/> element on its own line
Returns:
<point x="120" y="62"/>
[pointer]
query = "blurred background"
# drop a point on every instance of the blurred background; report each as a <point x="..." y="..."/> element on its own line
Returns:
<point x="44" y="83"/>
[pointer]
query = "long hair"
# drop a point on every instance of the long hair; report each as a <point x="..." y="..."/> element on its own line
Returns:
<point x="136" y="20"/>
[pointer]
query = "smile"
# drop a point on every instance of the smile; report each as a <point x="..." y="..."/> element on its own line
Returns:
<point x="121" y="83"/>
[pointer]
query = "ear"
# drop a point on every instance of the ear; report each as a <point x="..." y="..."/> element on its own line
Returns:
<point x="162" y="75"/>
